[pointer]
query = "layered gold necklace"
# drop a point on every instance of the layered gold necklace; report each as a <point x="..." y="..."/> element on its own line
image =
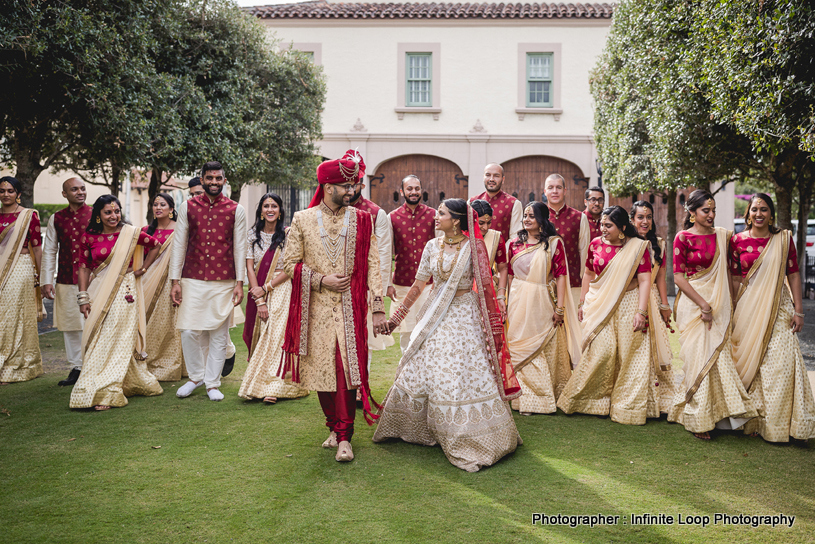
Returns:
<point x="457" y="240"/>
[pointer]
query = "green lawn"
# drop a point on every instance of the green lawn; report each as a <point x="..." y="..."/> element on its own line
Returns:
<point x="168" y="470"/>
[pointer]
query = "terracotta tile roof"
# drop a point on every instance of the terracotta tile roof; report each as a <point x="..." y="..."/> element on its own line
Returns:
<point x="320" y="9"/>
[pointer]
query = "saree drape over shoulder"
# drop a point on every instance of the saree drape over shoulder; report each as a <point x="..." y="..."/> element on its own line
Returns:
<point x="454" y="380"/>
<point x="662" y="387"/>
<point x="614" y="372"/>
<point x="766" y="353"/>
<point x="543" y="355"/>
<point x="711" y="390"/>
<point x="114" y="332"/>
<point x="163" y="340"/>
<point x="20" y="358"/>
<point x="260" y="379"/>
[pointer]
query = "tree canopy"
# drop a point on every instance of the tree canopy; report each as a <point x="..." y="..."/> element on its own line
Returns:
<point x="100" y="86"/>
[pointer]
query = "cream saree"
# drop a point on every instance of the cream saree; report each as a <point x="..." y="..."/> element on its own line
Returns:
<point x="614" y="372"/>
<point x="543" y="355"/>
<point x="662" y="387"/>
<point x="260" y="379"/>
<point x="20" y="358"/>
<point x="165" y="360"/>
<point x="114" y="332"/>
<point x="766" y="353"/>
<point x="711" y="391"/>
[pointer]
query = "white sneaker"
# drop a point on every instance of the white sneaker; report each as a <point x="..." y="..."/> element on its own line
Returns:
<point x="214" y="394"/>
<point x="186" y="390"/>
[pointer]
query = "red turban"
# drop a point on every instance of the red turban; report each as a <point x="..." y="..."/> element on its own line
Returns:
<point x="349" y="169"/>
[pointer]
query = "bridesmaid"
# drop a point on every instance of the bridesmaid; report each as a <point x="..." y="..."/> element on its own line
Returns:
<point x="711" y="394"/>
<point x="496" y="249"/>
<point x="614" y="371"/>
<point x="20" y="257"/>
<point x="165" y="359"/>
<point x="769" y="313"/>
<point x="662" y="387"/>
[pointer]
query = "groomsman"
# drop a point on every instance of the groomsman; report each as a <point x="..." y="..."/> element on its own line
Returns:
<point x="59" y="251"/>
<point x="207" y="267"/>
<point x="573" y="226"/>
<point x="413" y="226"/>
<point x="195" y="187"/>
<point x="507" y="211"/>
<point x="595" y="199"/>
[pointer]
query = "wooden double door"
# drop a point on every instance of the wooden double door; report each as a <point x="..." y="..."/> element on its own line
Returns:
<point x="524" y="178"/>
<point x="440" y="179"/>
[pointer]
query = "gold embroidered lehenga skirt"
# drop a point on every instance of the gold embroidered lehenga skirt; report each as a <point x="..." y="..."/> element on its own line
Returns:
<point x="109" y="371"/>
<point x="544" y="377"/>
<point x="165" y="359"/>
<point x="781" y="391"/>
<point x="663" y="382"/>
<point x="614" y="372"/>
<point x="260" y="380"/>
<point x="447" y="395"/>
<point x="20" y="358"/>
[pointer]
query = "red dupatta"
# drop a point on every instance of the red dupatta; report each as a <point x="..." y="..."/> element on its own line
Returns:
<point x="490" y="313"/>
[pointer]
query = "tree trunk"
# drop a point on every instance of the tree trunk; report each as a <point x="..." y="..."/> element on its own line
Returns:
<point x="237" y="188"/>
<point x="669" y="248"/>
<point x="804" y="205"/>
<point x="783" y="205"/>
<point x="153" y="189"/>
<point x="116" y="180"/>
<point x="27" y="158"/>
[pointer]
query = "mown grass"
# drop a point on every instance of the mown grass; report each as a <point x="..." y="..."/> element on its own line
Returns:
<point x="168" y="470"/>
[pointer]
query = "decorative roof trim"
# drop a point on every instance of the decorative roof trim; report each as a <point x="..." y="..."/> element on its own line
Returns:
<point x="320" y="9"/>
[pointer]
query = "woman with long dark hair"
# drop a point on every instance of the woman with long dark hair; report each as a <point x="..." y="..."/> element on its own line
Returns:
<point x="20" y="305"/>
<point x="614" y="372"/>
<point x="165" y="359"/>
<point x="662" y="386"/>
<point x="542" y="327"/>
<point x="711" y="394"/>
<point x="112" y="301"/>
<point x="769" y="312"/>
<point x="267" y="308"/>
<point x="454" y="379"/>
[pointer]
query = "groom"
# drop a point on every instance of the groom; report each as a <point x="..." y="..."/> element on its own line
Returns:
<point x="207" y="270"/>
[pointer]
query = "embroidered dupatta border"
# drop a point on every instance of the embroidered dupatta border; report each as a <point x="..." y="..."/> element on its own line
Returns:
<point x="167" y="244"/>
<point x="256" y="328"/>
<point x="24" y="219"/>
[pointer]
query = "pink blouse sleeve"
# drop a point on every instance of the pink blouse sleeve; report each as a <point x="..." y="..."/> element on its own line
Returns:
<point x="590" y="257"/>
<point x="792" y="259"/>
<point x="501" y="252"/>
<point x="147" y="241"/>
<point x="645" y="263"/>
<point x="733" y="255"/>
<point x="34" y="230"/>
<point x="559" y="261"/>
<point x="511" y="253"/>
<point x="680" y="247"/>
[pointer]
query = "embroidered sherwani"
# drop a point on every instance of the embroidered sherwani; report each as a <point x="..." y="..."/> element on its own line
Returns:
<point x="330" y="316"/>
<point x="507" y="213"/>
<point x="573" y="227"/>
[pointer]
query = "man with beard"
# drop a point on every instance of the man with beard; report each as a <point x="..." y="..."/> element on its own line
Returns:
<point x="382" y="231"/>
<point x="412" y="226"/>
<point x="59" y="251"/>
<point x="507" y="211"/>
<point x="331" y="257"/>
<point x="572" y="226"/>
<point x="594" y="200"/>
<point x="207" y="267"/>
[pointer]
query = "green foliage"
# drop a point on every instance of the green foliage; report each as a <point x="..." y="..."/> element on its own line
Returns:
<point x="45" y="211"/>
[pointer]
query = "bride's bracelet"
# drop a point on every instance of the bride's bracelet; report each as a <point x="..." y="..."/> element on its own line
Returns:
<point x="400" y="314"/>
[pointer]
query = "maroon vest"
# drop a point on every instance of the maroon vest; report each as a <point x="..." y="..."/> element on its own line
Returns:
<point x="70" y="227"/>
<point x="501" y="212"/>
<point x="211" y="248"/>
<point x="367" y="206"/>
<point x="567" y="223"/>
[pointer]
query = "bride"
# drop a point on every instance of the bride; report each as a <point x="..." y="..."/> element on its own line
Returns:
<point x="453" y="382"/>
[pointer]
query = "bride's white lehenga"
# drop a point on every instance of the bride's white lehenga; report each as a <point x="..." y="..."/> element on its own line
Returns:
<point x="448" y="389"/>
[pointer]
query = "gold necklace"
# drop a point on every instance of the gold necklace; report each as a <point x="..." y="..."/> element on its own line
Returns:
<point x="455" y="239"/>
<point x="444" y="275"/>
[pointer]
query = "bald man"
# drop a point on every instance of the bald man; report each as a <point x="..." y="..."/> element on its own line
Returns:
<point x="59" y="252"/>
<point x="507" y="211"/>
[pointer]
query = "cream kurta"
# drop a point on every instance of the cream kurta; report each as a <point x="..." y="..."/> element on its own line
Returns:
<point x="327" y="319"/>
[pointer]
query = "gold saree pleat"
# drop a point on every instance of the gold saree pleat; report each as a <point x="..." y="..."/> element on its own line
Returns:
<point x="259" y="380"/>
<point x="20" y="358"/>
<point x="165" y="359"/>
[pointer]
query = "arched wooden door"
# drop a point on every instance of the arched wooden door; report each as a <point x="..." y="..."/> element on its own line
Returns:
<point x="440" y="179"/>
<point x="660" y="205"/>
<point x="524" y="177"/>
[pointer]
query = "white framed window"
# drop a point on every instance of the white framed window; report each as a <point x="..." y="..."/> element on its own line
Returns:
<point x="312" y="50"/>
<point x="418" y="87"/>
<point x="419" y="82"/>
<point x="539" y="69"/>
